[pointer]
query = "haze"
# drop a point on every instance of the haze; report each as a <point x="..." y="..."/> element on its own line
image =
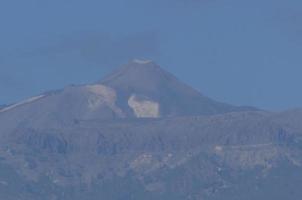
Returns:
<point x="237" y="51"/>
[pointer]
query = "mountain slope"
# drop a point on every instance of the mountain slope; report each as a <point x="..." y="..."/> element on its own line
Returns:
<point x="146" y="80"/>
<point x="136" y="90"/>
<point x="142" y="134"/>
<point x="214" y="157"/>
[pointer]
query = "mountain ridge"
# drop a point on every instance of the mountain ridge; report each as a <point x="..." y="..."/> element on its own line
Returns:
<point x="153" y="157"/>
<point x="137" y="89"/>
<point x="134" y="138"/>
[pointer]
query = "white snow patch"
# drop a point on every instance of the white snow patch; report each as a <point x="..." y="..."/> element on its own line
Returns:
<point x="144" y="108"/>
<point x="100" y="95"/>
<point x="218" y="148"/>
<point x="107" y="94"/>
<point x="30" y="100"/>
<point x="103" y="95"/>
<point x="142" y="61"/>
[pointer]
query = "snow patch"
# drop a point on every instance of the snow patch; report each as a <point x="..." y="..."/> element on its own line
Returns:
<point x="144" y="108"/>
<point x="143" y="62"/>
<point x="102" y="95"/>
<point x="30" y="100"/>
<point x="218" y="148"/>
<point x="107" y="94"/>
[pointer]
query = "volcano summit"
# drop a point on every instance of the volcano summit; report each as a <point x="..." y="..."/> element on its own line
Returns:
<point x="140" y="133"/>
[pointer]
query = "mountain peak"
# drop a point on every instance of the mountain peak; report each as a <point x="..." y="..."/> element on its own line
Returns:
<point x="148" y="81"/>
<point x="142" y="66"/>
<point x="139" y="89"/>
<point x="142" y="62"/>
<point x="137" y="73"/>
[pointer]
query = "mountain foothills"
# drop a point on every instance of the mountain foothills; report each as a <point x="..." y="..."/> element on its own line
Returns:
<point x="140" y="133"/>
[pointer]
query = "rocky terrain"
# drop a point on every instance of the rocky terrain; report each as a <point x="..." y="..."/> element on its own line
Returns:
<point x="140" y="133"/>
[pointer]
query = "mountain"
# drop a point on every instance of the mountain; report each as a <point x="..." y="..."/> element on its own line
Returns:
<point x="139" y="89"/>
<point x="121" y="139"/>
<point x="145" y="81"/>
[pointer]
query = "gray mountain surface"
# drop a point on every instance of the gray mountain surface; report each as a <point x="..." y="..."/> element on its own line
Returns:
<point x="121" y="139"/>
<point x="148" y="80"/>
<point x="135" y="90"/>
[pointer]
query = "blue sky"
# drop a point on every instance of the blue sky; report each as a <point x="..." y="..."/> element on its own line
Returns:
<point x="237" y="51"/>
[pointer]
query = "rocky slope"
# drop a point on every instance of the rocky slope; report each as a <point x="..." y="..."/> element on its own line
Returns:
<point x="121" y="139"/>
<point x="136" y="90"/>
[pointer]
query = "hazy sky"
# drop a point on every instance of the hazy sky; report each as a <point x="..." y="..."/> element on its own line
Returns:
<point x="238" y="51"/>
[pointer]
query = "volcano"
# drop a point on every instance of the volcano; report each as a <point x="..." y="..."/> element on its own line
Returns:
<point x="140" y="133"/>
<point x="139" y="89"/>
